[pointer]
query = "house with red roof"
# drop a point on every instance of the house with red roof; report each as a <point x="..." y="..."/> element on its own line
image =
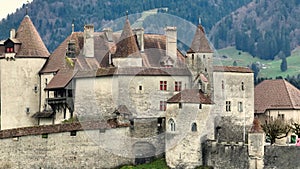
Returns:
<point x="277" y="99"/>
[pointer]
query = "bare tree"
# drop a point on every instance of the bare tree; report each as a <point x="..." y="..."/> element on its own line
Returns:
<point x="276" y="129"/>
<point x="295" y="128"/>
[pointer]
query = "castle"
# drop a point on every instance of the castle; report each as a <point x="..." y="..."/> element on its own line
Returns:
<point x="172" y="101"/>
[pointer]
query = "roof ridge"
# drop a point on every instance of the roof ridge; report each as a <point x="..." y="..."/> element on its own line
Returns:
<point x="289" y="92"/>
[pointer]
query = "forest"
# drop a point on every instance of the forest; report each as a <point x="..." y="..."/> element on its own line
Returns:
<point x="265" y="29"/>
<point x="53" y="18"/>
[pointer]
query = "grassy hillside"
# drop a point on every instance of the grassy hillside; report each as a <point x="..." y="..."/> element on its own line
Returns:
<point x="269" y="68"/>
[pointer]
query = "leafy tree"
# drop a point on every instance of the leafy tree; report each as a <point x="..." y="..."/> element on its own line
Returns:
<point x="283" y="65"/>
<point x="276" y="129"/>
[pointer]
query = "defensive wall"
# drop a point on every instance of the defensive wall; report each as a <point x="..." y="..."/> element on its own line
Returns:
<point x="107" y="145"/>
<point x="65" y="146"/>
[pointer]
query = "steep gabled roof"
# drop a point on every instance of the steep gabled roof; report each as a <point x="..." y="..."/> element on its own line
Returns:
<point x="127" y="45"/>
<point x="32" y="43"/>
<point x="56" y="60"/>
<point x="190" y="96"/>
<point x="275" y="94"/>
<point x="200" y="43"/>
<point x="237" y="69"/>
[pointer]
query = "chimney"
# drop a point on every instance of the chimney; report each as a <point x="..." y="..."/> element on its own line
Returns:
<point x="12" y="33"/>
<point x="139" y="32"/>
<point x="171" y="42"/>
<point x="108" y="33"/>
<point x="88" y="49"/>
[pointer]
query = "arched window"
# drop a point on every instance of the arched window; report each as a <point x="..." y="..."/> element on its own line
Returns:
<point x="172" y="125"/>
<point x="194" y="127"/>
<point x="193" y="56"/>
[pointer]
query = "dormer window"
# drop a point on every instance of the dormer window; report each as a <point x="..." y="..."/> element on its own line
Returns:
<point x="71" y="49"/>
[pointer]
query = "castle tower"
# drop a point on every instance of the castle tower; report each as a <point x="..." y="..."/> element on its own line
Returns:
<point x="127" y="52"/>
<point x="187" y="127"/>
<point x="21" y="58"/>
<point x="199" y="61"/>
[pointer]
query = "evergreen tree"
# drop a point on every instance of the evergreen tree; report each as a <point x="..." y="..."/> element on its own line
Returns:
<point x="255" y="69"/>
<point x="283" y="65"/>
<point x="234" y="63"/>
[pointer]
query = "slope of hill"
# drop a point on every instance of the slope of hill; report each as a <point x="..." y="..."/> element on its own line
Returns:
<point x="268" y="68"/>
<point x="264" y="28"/>
<point x="53" y="18"/>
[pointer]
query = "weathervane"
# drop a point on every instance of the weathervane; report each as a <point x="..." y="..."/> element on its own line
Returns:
<point x="199" y="20"/>
<point x="127" y="14"/>
<point x="73" y="25"/>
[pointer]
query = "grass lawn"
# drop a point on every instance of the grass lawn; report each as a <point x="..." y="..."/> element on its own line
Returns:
<point x="271" y="69"/>
<point x="159" y="163"/>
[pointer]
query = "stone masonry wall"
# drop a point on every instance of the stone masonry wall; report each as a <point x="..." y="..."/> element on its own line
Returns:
<point x="281" y="157"/>
<point x="226" y="156"/>
<point x="33" y="148"/>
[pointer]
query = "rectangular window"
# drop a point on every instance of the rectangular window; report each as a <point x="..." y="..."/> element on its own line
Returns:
<point x="9" y="50"/>
<point x="228" y="106"/>
<point x="240" y="106"/>
<point x="178" y="86"/>
<point x="163" y="106"/>
<point x="200" y="106"/>
<point x="180" y="105"/>
<point x="73" y="133"/>
<point x="281" y="116"/>
<point x="163" y="85"/>
<point x="45" y="135"/>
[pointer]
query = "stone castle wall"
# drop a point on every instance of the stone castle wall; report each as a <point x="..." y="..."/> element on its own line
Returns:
<point x="68" y="146"/>
<point x="225" y="155"/>
<point x="281" y="157"/>
<point x="20" y="91"/>
<point x="230" y="155"/>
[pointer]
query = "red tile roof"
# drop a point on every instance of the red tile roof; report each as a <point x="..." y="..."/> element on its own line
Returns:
<point x="232" y="69"/>
<point x="275" y="94"/>
<point x="127" y="44"/>
<point x="190" y="96"/>
<point x="56" y="60"/>
<point x="32" y="44"/>
<point x="200" y="42"/>
<point x="61" y="79"/>
<point x="256" y="127"/>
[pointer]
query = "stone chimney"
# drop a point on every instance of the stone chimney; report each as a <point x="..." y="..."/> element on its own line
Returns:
<point x="109" y="34"/>
<point x="12" y="33"/>
<point x="139" y="32"/>
<point x="171" y="42"/>
<point x="88" y="49"/>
